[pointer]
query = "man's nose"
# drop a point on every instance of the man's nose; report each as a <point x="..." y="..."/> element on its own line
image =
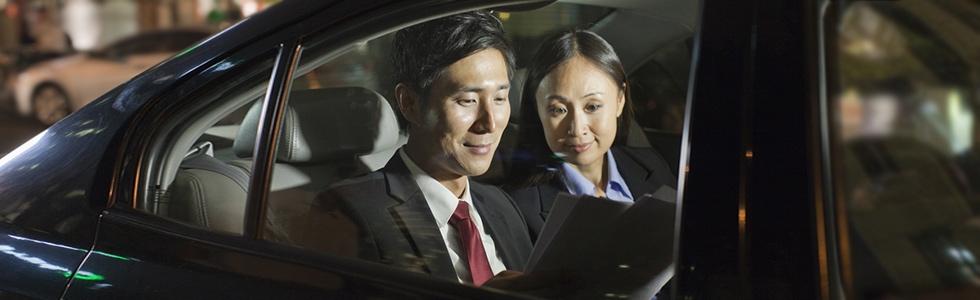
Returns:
<point x="487" y="120"/>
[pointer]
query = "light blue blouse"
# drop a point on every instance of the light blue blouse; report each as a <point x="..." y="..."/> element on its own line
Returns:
<point x="576" y="184"/>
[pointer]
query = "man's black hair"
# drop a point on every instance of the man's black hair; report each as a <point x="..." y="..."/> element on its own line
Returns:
<point x="421" y="53"/>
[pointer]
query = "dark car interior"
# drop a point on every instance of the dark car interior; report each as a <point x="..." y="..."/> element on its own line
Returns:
<point x="349" y="90"/>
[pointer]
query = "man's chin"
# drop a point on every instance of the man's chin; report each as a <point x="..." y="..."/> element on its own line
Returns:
<point x="476" y="170"/>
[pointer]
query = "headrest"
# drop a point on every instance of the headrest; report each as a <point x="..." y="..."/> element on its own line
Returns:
<point x="516" y="87"/>
<point x="326" y="124"/>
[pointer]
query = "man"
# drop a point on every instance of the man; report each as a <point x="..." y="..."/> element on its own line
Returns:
<point x="453" y="78"/>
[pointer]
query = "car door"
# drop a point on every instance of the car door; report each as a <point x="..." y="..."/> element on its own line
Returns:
<point x="144" y="251"/>
<point x="829" y="152"/>
<point x="752" y="177"/>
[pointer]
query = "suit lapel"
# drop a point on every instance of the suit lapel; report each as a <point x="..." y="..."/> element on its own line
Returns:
<point x="638" y="179"/>
<point x="415" y="219"/>
<point x="548" y="192"/>
<point x="497" y="228"/>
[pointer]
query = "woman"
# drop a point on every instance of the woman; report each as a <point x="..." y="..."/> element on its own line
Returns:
<point x="574" y="122"/>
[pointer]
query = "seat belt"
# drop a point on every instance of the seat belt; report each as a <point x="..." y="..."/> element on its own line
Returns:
<point x="200" y="159"/>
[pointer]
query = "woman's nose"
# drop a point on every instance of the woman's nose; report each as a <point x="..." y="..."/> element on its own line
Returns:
<point x="576" y="124"/>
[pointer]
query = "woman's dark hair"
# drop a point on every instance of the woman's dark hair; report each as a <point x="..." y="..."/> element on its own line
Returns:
<point x="533" y="162"/>
<point x="421" y="53"/>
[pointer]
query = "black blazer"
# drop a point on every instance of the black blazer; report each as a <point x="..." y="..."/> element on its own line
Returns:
<point x="643" y="169"/>
<point x="395" y="225"/>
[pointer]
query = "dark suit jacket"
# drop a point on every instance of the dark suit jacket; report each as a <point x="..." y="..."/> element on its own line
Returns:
<point x="643" y="169"/>
<point x="396" y="227"/>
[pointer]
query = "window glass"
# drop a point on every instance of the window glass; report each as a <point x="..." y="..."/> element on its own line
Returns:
<point x="206" y="165"/>
<point x="659" y="89"/>
<point x="336" y="104"/>
<point x="528" y="29"/>
<point x="659" y="92"/>
<point x="906" y="131"/>
<point x="340" y="123"/>
<point x="336" y="126"/>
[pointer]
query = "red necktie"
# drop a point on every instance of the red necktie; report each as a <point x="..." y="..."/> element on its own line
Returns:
<point x="469" y="237"/>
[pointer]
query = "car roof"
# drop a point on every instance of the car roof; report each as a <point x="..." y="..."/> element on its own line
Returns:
<point x="670" y="21"/>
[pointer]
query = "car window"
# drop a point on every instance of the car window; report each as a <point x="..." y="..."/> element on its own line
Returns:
<point x="659" y="92"/>
<point x="204" y="173"/>
<point x="205" y="168"/>
<point x="906" y="146"/>
<point x="659" y="89"/>
<point x="340" y="123"/>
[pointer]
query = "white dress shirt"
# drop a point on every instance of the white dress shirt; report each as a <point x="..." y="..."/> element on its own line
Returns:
<point x="443" y="203"/>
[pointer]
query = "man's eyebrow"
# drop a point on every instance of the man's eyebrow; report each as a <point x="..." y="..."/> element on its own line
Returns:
<point x="473" y="89"/>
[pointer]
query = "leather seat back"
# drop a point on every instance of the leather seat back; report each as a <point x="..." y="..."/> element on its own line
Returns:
<point x="326" y="135"/>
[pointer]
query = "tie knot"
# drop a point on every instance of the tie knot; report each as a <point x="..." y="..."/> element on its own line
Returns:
<point x="462" y="213"/>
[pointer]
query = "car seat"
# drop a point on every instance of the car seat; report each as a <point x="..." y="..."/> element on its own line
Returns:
<point x="326" y="135"/>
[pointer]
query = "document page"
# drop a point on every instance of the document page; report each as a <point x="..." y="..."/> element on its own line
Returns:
<point x="621" y="249"/>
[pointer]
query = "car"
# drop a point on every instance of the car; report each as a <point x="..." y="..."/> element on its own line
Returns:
<point x="824" y="152"/>
<point x="52" y="89"/>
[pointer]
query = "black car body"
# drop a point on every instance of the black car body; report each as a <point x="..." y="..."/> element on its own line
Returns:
<point x="764" y="197"/>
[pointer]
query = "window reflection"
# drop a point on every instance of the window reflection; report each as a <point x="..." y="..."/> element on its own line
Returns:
<point x="905" y="127"/>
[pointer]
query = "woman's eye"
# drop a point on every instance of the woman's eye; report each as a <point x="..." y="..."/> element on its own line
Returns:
<point x="557" y="110"/>
<point x="593" y="107"/>
<point x="465" y="101"/>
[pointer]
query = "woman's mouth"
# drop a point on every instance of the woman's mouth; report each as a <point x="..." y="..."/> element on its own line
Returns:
<point x="579" y="148"/>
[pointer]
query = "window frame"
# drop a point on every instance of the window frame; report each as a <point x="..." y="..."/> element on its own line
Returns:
<point x="143" y="146"/>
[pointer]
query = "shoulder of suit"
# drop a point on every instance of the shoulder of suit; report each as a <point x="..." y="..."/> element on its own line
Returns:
<point x="645" y="156"/>
<point x="524" y="192"/>
<point x="484" y="189"/>
<point x="359" y="180"/>
<point x="362" y="186"/>
<point x="364" y="191"/>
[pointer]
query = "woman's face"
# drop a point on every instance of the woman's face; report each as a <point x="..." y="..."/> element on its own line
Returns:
<point x="578" y="105"/>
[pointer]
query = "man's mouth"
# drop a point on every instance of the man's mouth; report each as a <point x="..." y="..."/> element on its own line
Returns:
<point x="479" y="149"/>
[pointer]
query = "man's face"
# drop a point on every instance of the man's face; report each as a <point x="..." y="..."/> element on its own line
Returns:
<point x="459" y="127"/>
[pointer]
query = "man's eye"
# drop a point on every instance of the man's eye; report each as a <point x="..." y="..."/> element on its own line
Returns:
<point x="500" y="99"/>
<point x="465" y="101"/>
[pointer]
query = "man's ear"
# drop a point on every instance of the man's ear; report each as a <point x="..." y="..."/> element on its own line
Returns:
<point x="408" y="103"/>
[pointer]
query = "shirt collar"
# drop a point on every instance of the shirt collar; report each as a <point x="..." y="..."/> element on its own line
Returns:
<point x="441" y="201"/>
<point x="577" y="184"/>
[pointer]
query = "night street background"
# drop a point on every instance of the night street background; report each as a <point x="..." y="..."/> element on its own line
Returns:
<point x="14" y="129"/>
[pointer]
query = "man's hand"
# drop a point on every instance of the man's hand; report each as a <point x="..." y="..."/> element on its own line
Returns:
<point x="545" y="284"/>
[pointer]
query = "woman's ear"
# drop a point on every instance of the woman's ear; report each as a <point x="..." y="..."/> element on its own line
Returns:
<point x="408" y="103"/>
<point x="621" y="102"/>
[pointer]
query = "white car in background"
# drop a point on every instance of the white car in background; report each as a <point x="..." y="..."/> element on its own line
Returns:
<point x="51" y="90"/>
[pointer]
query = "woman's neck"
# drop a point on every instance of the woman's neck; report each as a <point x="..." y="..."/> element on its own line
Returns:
<point x="596" y="174"/>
